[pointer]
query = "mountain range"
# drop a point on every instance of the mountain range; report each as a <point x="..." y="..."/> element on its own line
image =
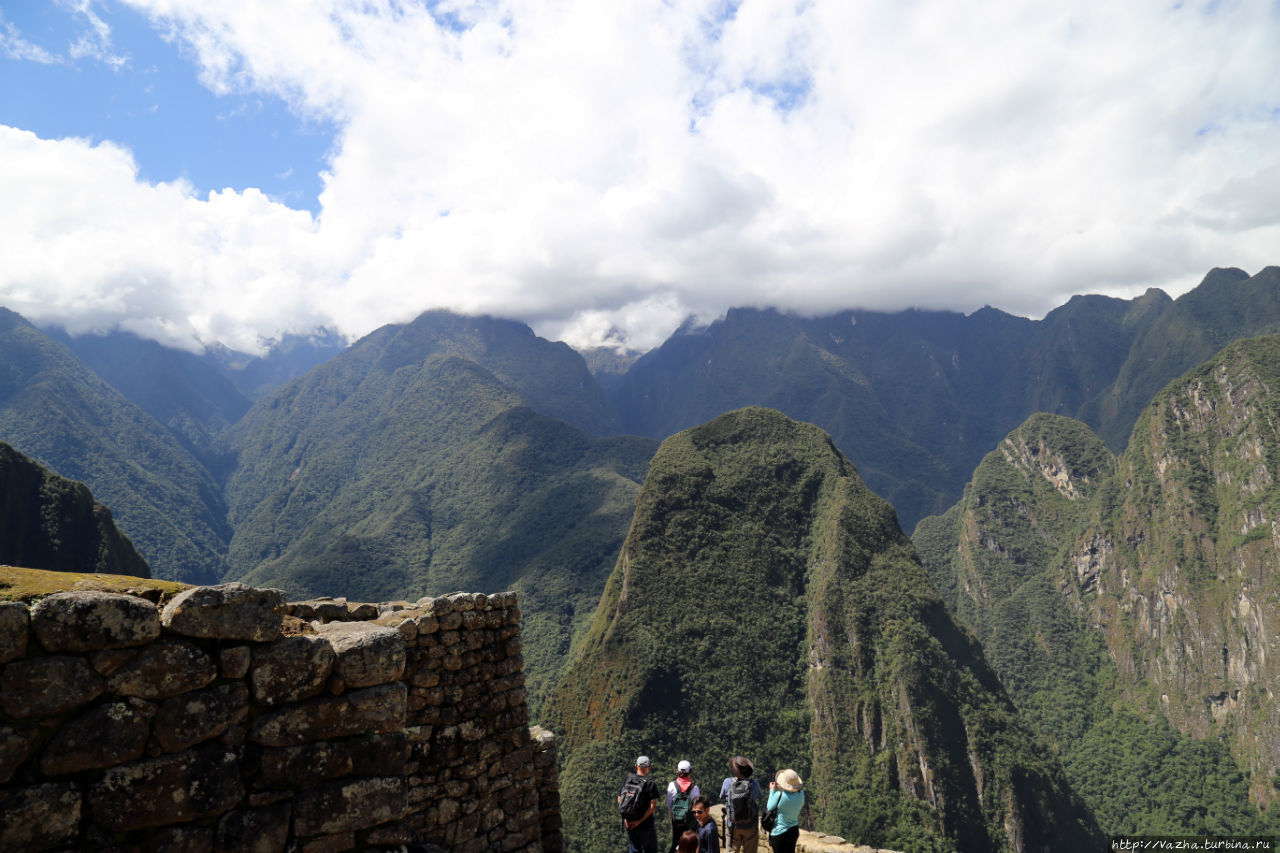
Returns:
<point x="466" y="452"/>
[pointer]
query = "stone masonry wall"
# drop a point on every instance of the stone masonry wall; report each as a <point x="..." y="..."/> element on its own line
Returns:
<point x="232" y="720"/>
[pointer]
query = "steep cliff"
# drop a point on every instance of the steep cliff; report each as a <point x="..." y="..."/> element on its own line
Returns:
<point x="766" y="602"/>
<point x="50" y="522"/>
<point x="1130" y="601"/>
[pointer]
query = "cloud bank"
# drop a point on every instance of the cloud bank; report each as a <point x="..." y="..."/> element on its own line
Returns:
<point x="602" y="170"/>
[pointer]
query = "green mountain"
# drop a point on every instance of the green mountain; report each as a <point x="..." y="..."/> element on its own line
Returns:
<point x="50" y="522"/>
<point x="1127" y="602"/>
<point x="765" y="602"/>
<point x="181" y="390"/>
<point x="59" y="412"/>
<point x="402" y="468"/>
<point x="917" y="398"/>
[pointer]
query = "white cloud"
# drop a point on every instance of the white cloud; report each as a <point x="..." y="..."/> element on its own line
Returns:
<point x="594" y="166"/>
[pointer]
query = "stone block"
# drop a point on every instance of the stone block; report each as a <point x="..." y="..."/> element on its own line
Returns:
<point x="331" y="843"/>
<point x="165" y="668"/>
<point x="261" y="830"/>
<point x="449" y="621"/>
<point x="366" y="654"/>
<point x="89" y="621"/>
<point x="39" y="817"/>
<point x="47" y="685"/>
<point x="190" y="785"/>
<point x="374" y="710"/>
<point x="428" y="623"/>
<point x="362" y="612"/>
<point x="366" y="755"/>
<point x="230" y="611"/>
<point x="234" y="661"/>
<point x="349" y="805"/>
<point x="16" y="743"/>
<point x="291" y="668"/>
<point x="103" y="736"/>
<point x="182" y="839"/>
<point x="186" y="720"/>
<point x="13" y="630"/>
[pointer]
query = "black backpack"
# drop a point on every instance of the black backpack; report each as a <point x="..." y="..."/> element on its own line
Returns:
<point x="741" y="805"/>
<point x="633" y="804"/>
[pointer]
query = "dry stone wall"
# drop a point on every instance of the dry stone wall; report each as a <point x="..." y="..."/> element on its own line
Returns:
<point x="231" y="720"/>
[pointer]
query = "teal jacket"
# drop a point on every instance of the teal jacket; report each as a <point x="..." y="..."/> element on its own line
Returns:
<point x="789" y="806"/>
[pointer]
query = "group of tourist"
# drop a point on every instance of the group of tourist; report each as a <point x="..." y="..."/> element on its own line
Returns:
<point x="693" y="830"/>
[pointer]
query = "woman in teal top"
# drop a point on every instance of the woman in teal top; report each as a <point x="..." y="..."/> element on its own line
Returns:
<point x="786" y="792"/>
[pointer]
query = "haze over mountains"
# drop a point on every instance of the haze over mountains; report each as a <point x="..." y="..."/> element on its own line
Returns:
<point x="460" y="452"/>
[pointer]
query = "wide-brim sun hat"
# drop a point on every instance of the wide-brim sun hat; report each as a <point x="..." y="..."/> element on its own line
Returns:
<point x="742" y="765"/>
<point x="790" y="781"/>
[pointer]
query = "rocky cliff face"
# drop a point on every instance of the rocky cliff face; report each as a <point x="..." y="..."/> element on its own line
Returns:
<point x="1144" y="582"/>
<point x="50" y="522"/>
<point x="1178" y="571"/>
<point x="767" y="603"/>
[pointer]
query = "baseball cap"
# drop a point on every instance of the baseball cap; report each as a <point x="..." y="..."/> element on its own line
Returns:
<point x="642" y="761"/>
<point x="684" y="767"/>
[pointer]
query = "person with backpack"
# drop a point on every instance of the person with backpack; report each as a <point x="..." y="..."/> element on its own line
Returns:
<point x="635" y="804"/>
<point x="786" y="794"/>
<point x="741" y="797"/>
<point x="681" y="793"/>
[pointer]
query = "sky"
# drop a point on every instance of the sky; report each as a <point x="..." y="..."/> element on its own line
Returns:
<point x="215" y="170"/>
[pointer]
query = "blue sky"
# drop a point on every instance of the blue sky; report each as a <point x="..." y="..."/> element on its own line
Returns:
<point x="203" y="170"/>
<point x="145" y="94"/>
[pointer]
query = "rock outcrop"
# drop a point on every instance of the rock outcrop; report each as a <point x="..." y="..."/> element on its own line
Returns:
<point x="50" y="522"/>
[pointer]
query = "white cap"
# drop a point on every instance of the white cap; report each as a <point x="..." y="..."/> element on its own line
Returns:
<point x="642" y="761"/>
<point x="684" y="767"/>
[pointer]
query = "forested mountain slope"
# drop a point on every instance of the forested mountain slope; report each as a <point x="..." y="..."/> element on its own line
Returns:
<point x="1128" y="603"/>
<point x="917" y="398"/>
<point x="50" y="522"/>
<point x="181" y="390"/>
<point x="401" y="468"/>
<point x="765" y="602"/>
<point x="59" y="412"/>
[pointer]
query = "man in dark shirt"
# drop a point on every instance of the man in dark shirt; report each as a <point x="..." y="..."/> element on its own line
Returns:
<point x="742" y="831"/>
<point x="642" y="833"/>
<point x="708" y="840"/>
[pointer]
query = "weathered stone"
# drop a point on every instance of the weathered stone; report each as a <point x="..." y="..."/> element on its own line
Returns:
<point x="263" y="830"/>
<point x="362" y="611"/>
<point x="229" y="611"/>
<point x="462" y="601"/>
<point x="331" y="843"/>
<point x="374" y="709"/>
<point x="234" y="661"/>
<point x="165" y="668"/>
<point x="191" y="718"/>
<point x="88" y="621"/>
<point x="108" y="661"/>
<point x="390" y="835"/>
<point x="291" y="668"/>
<point x="47" y="685"/>
<point x="16" y="742"/>
<point x="332" y="611"/>
<point x="367" y="654"/>
<point x="188" y="786"/>
<point x="13" y="630"/>
<point x="39" y="817"/>
<point x="367" y="755"/>
<point x="103" y="736"/>
<point x="428" y="623"/>
<point x="449" y="621"/>
<point x="349" y="805"/>
<point x="182" y="839"/>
